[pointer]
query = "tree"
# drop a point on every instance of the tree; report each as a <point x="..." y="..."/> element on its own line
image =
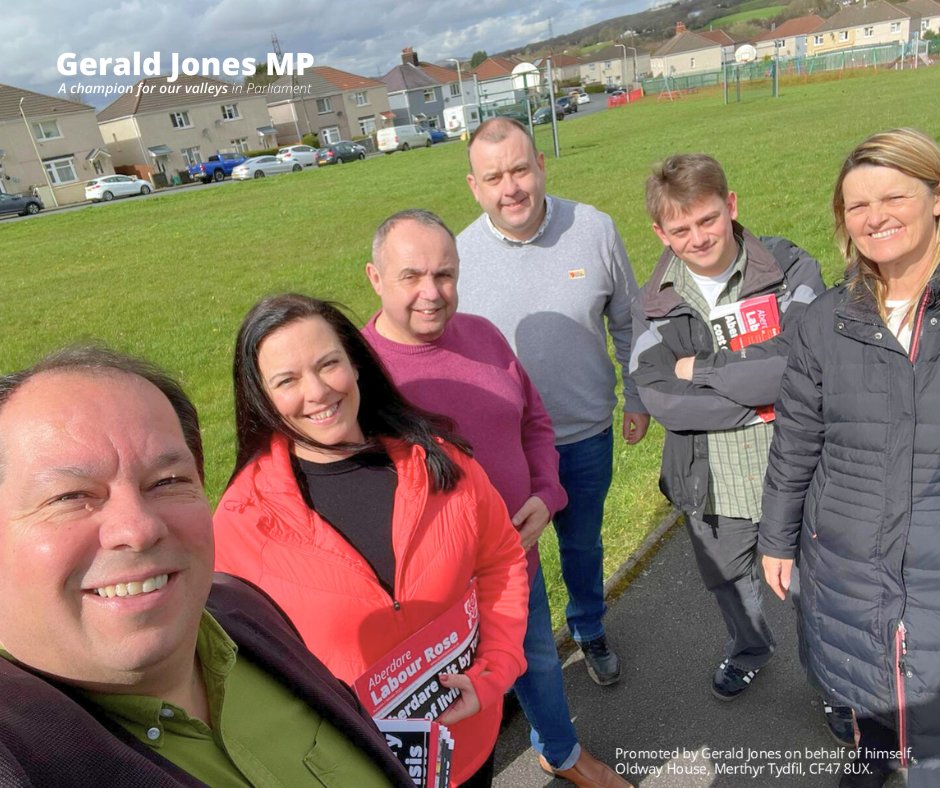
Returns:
<point x="478" y="57"/>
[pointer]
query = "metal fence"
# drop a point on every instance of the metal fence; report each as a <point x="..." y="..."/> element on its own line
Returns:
<point x="886" y="56"/>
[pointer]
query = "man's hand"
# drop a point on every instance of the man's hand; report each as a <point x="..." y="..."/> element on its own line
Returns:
<point x="777" y="574"/>
<point x="531" y="520"/>
<point x="466" y="705"/>
<point x="635" y="426"/>
<point x="684" y="368"/>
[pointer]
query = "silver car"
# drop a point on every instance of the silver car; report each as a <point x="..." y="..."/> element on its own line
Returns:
<point x="260" y="166"/>
<point x="107" y="187"/>
<point x="304" y="155"/>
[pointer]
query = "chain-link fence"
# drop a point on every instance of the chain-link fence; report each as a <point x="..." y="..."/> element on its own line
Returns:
<point x="886" y="56"/>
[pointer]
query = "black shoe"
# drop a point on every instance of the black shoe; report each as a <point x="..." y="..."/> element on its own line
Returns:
<point x="839" y="720"/>
<point x="602" y="664"/>
<point x="874" y="778"/>
<point x="730" y="681"/>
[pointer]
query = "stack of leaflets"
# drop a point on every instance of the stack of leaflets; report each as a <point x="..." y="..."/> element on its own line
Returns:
<point x="746" y="323"/>
<point x="424" y="747"/>
<point x="402" y="691"/>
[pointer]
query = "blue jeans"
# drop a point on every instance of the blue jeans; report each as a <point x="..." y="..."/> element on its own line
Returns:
<point x="585" y="469"/>
<point x="541" y="690"/>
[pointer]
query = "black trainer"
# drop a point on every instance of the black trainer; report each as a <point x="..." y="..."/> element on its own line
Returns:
<point x="603" y="666"/>
<point x="730" y="681"/>
<point x="839" y="720"/>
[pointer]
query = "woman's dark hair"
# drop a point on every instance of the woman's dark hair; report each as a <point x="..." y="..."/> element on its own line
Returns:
<point x="383" y="411"/>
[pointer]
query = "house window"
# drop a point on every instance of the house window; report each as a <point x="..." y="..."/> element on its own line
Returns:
<point x="429" y="94"/>
<point x="895" y="27"/>
<point x="361" y="98"/>
<point x="454" y="89"/>
<point x="592" y="66"/>
<point x="924" y="24"/>
<point x="46" y="130"/>
<point x="191" y="156"/>
<point x="240" y="145"/>
<point x="843" y="35"/>
<point x="99" y="167"/>
<point x="868" y="32"/>
<point x="330" y="135"/>
<point x="691" y="62"/>
<point x="817" y="40"/>
<point x="367" y="125"/>
<point x="324" y="105"/>
<point x="230" y="112"/>
<point x="606" y="64"/>
<point x="60" y="170"/>
<point x="779" y="43"/>
<point x="180" y="120"/>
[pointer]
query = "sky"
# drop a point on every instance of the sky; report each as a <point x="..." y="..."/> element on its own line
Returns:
<point x="362" y="36"/>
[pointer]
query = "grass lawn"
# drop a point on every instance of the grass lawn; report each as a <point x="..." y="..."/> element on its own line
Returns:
<point x="755" y="14"/>
<point x="170" y="277"/>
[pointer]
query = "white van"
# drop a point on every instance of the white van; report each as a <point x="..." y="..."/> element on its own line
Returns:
<point x="402" y="138"/>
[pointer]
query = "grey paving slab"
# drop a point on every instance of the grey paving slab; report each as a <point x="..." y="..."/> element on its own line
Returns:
<point x="661" y="726"/>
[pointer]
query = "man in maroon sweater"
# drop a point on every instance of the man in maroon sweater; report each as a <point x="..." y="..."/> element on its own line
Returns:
<point x="122" y="660"/>
<point x="459" y="365"/>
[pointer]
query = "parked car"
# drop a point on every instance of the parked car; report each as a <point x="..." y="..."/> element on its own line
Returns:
<point x="402" y="138"/>
<point x="107" y="187"/>
<point x="22" y="204"/>
<point x="260" y="166"/>
<point x="305" y="155"/>
<point x="580" y="96"/>
<point x="613" y="88"/>
<point x="544" y="115"/>
<point x="566" y="104"/>
<point x="216" y="167"/>
<point x="340" y="152"/>
<point x="437" y="135"/>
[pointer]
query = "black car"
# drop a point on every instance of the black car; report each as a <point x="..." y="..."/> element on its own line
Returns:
<point x="23" y="204"/>
<point x="340" y="152"/>
<point x="566" y="104"/>
<point x="544" y="115"/>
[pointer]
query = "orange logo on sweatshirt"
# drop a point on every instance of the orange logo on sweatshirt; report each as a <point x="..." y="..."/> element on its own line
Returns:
<point x="576" y="273"/>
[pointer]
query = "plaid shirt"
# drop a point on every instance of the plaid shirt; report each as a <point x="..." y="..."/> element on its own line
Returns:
<point x="737" y="458"/>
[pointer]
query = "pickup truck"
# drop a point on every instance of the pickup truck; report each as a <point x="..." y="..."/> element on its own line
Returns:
<point x="216" y="168"/>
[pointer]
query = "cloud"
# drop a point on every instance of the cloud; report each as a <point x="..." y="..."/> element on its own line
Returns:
<point x="366" y="40"/>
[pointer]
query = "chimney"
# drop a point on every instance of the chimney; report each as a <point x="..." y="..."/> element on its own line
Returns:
<point x="680" y="27"/>
<point x="409" y="57"/>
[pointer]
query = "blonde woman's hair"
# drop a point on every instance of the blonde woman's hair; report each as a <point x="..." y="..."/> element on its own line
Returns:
<point x="916" y="155"/>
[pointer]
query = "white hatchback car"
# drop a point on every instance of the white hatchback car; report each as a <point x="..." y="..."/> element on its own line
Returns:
<point x="303" y="154"/>
<point x="107" y="187"/>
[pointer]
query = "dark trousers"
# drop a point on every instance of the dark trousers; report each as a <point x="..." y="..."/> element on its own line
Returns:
<point x="726" y="554"/>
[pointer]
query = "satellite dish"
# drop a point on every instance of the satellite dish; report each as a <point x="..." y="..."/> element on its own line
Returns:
<point x="745" y="54"/>
<point x="525" y="75"/>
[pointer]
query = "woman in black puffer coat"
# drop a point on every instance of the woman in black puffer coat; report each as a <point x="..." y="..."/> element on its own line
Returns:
<point x="853" y="483"/>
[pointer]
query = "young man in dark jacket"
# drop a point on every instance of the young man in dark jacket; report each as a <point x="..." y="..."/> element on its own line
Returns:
<point x="708" y="397"/>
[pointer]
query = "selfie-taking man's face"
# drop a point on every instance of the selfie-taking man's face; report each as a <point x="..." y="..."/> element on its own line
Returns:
<point x="105" y="532"/>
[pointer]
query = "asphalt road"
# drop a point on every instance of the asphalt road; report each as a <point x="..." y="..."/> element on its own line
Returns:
<point x="660" y="726"/>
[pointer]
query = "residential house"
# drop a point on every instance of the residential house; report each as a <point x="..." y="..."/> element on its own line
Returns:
<point x="49" y="144"/>
<point x="688" y="52"/>
<point x="413" y="94"/>
<point x="566" y="69"/>
<point x="495" y="82"/>
<point x="608" y="66"/>
<point x="869" y="23"/>
<point x="162" y="127"/>
<point x="457" y="90"/>
<point x="788" y="39"/>
<point x="726" y="42"/>
<point x="925" y="16"/>
<point x="330" y="103"/>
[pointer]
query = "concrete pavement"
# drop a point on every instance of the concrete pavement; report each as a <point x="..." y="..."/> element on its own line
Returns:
<point x="660" y="725"/>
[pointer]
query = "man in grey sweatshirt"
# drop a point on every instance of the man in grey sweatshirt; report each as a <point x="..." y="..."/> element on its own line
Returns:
<point x="553" y="276"/>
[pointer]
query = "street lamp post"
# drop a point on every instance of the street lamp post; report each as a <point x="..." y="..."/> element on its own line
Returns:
<point x="623" y="73"/>
<point x="463" y="111"/>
